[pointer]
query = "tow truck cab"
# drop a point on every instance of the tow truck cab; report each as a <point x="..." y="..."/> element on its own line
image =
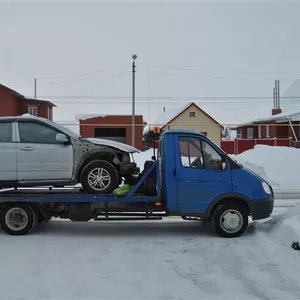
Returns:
<point x="202" y="177"/>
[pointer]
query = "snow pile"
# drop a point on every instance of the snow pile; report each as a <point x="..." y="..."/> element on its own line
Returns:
<point x="278" y="165"/>
<point x="259" y="170"/>
<point x="141" y="157"/>
<point x="284" y="228"/>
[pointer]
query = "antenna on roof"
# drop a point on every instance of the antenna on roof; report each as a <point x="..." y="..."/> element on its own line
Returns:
<point x="278" y="94"/>
<point x="274" y="98"/>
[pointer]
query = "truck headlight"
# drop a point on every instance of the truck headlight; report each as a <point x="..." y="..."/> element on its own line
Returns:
<point x="266" y="188"/>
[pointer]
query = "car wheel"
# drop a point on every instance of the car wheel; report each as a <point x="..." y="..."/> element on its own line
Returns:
<point x="230" y="219"/>
<point x="99" y="177"/>
<point x="18" y="219"/>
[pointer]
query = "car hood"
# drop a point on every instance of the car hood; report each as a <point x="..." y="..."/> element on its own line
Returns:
<point x="113" y="144"/>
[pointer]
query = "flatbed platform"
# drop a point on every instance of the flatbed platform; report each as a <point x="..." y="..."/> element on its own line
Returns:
<point x="75" y="195"/>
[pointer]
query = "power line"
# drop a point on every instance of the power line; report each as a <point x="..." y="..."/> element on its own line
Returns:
<point x="221" y="71"/>
<point x="218" y="77"/>
<point x="73" y="80"/>
<point x="82" y="74"/>
<point x="158" y="98"/>
<point x="207" y="104"/>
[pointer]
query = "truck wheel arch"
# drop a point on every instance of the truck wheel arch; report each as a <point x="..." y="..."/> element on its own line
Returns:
<point x="232" y="197"/>
<point x="106" y="154"/>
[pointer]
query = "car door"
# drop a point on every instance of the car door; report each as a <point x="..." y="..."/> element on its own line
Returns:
<point x="40" y="156"/>
<point x="199" y="175"/>
<point x="8" y="154"/>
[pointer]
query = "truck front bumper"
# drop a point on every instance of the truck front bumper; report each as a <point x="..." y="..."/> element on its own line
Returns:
<point x="261" y="209"/>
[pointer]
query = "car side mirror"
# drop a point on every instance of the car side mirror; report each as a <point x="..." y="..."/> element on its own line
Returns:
<point x="62" y="138"/>
<point x="153" y="157"/>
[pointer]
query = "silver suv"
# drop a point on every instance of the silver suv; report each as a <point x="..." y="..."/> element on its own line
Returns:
<point x="38" y="152"/>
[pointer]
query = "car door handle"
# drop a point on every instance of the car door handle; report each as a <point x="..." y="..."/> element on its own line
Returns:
<point x="27" y="149"/>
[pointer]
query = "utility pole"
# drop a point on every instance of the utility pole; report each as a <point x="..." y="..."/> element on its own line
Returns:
<point x="134" y="57"/>
<point x="34" y="88"/>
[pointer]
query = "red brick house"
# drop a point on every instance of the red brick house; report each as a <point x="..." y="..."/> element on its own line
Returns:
<point x="14" y="104"/>
<point x="111" y="127"/>
<point x="281" y="125"/>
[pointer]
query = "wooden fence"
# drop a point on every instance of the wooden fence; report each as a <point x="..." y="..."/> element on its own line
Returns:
<point x="240" y="145"/>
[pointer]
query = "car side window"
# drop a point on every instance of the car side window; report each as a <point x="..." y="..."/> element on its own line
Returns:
<point x="5" y="132"/>
<point x="190" y="152"/>
<point x="31" y="132"/>
<point x="212" y="159"/>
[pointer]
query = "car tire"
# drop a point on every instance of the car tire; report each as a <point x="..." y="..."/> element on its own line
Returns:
<point x="99" y="177"/>
<point x="25" y="226"/>
<point x="230" y="219"/>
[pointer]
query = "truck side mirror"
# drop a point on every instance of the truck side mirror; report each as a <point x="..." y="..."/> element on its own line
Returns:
<point x="223" y="161"/>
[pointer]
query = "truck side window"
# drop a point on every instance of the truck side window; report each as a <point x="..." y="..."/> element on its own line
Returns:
<point x="212" y="159"/>
<point x="190" y="152"/>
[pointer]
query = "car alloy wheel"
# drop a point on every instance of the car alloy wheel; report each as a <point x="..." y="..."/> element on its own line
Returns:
<point x="99" y="179"/>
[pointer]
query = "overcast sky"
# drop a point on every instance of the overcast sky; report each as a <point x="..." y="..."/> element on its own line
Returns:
<point x="186" y="52"/>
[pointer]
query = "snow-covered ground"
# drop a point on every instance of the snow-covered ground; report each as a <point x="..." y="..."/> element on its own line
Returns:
<point x="169" y="259"/>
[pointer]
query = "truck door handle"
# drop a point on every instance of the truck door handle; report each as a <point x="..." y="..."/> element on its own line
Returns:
<point x="174" y="172"/>
<point x="27" y="149"/>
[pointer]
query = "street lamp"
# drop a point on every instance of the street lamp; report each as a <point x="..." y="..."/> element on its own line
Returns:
<point x="134" y="57"/>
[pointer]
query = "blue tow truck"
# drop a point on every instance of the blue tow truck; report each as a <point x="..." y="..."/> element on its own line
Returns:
<point x="191" y="177"/>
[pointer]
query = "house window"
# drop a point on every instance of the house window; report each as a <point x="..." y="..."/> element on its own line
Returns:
<point x="259" y="131"/>
<point x="268" y="131"/>
<point x="32" y="110"/>
<point x="249" y="133"/>
<point x="192" y="114"/>
<point x="239" y="134"/>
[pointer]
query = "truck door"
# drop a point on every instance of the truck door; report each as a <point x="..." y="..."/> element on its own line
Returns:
<point x="199" y="175"/>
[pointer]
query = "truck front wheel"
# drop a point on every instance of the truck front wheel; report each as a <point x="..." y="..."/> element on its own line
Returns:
<point x="230" y="219"/>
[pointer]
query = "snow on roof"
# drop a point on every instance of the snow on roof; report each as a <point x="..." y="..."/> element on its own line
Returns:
<point x="293" y="115"/>
<point x="166" y="117"/>
<point x="88" y="116"/>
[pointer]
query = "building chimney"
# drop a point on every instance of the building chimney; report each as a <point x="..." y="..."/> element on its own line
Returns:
<point x="276" y="111"/>
<point x="164" y="109"/>
<point x="276" y="99"/>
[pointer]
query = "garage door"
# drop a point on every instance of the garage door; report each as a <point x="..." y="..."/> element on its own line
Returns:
<point x="112" y="134"/>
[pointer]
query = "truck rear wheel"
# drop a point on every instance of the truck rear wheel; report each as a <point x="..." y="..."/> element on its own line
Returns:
<point x="99" y="177"/>
<point x="18" y="219"/>
<point x="230" y="219"/>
